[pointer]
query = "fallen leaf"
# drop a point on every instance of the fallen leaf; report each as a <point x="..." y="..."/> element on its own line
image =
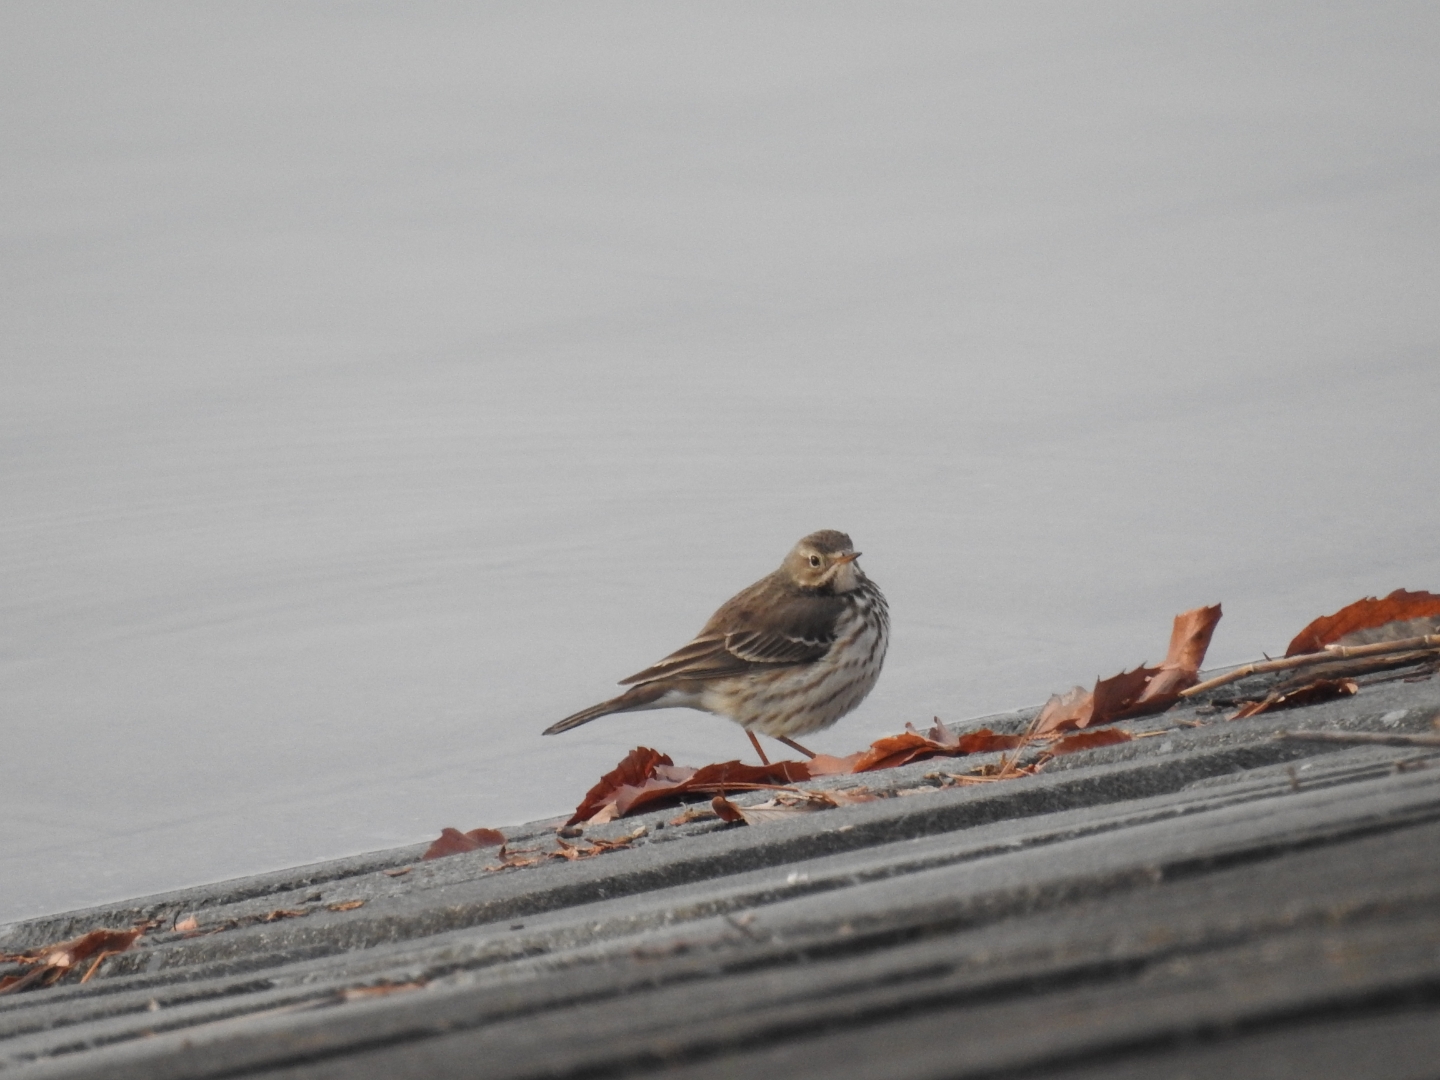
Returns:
<point x="1369" y="614"/>
<point x="1140" y="692"/>
<point x="346" y="905"/>
<point x="52" y="962"/>
<point x="826" y="765"/>
<point x="397" y="872"/>
<point x="725" y="810"/>
<point x="625" y="790"/>
<point x="567" y="850"/>
<point x="590" y="848"/>
<point x="454" y="842"/>
<point x="1309" y="694"/>
<point x="784" y="805"/>
<point x="600" y="846"/>
<point x="634" y="769"/>
<point x="940" y="741"/>
<point x="284" y="913"/>
<point x="1089" y="740"/>
<point x="509" y="859"/>
<point x="1071" y="709"/>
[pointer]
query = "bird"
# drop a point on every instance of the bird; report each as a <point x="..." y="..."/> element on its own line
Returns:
<point x="788" y="656"/>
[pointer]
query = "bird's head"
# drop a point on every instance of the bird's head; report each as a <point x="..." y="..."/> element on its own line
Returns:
<point x="824" y="559"/>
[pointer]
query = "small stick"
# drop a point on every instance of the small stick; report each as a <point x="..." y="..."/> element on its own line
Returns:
<point x="1331" y="652"/>
<point x="1010" y="765"/>
<point x="96" y="965"/>
<point x="1372" y="737"/>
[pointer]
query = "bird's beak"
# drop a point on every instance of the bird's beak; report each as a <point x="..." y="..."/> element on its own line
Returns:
<point x="841" y="560"/>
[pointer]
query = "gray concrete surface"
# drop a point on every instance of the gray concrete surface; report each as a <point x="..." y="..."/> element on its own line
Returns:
<point x="1212" y="900"/>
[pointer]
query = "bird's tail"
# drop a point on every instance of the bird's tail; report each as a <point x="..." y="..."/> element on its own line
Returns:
<point x="637" y="697"/>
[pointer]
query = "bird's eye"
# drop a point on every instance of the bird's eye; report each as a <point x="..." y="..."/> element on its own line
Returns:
<point x="815" y="561"/>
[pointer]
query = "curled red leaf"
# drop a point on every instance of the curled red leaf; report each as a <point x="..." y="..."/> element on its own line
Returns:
<point x="666" y="784"/>
<point x="454" y="842"/>
<point x="1140" y="692"/>
<point x="634" y="770"/>
<point x="940" y="741"/>
<point x="1367" y="614"/>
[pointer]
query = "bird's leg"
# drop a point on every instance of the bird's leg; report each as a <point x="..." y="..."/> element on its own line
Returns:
<point x="793" y="745"/>
<point x="756" y="743"/>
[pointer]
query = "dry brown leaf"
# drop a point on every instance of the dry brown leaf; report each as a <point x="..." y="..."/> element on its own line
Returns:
<point x="896" y="750"/>
<point x="626" y="790"/>
<point x="784" y="805"/>
<point x="725" y="810"/>
<point x="51" y="963"/>
<point x="828" y="765"/>
<point x="634" y="769"/>
<point x="567" y="850"/>
<point x="1310" y="694"/>
<point x="284" y="913"/>
<point x="600" y="846"/>
<point x="509" y="859"/>
<point x="591" y="848"/>
<point x="400" y="871"/>
<point x="1089" y="740"/>
<point x="1141" y="692"/>
<point x="1367" y="614"/>
<point x="1062" y="712"/>
<point x="346" y="905"/>
<point x="454" y="842"/>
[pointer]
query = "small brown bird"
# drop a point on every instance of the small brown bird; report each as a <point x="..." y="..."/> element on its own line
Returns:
<point x="789" y="655"/>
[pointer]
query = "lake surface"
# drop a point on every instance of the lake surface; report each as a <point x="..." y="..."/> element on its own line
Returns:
<point x="380" y="383"/>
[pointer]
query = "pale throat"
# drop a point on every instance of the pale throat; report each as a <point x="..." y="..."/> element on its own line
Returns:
<point x="846" y="578"/>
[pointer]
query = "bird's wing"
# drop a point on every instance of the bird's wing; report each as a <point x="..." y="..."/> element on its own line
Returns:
<point x="744" y="636"/>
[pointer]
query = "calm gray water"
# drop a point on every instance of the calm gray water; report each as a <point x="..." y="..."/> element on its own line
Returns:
<point x="381" y="383"/>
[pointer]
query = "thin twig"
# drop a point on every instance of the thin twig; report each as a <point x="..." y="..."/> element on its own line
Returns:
<point x="1011" y="765"/>
<point x="1380" y="738"/>
<point x="1331" y="652"/>
<point x="96" y="965"/>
